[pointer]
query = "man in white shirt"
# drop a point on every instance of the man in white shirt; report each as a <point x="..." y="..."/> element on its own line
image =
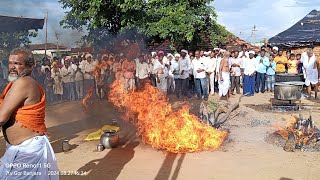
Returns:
<point x="67" y="73"/>
<point x="199" y="71"/>
<point x="142" y="72"/>
<point x="184" y="68"/>
<point x="235" y="64"/>
<point x="311" y="71"/>
<point x="249" y="69"/>
<point x="171" y="84"/>
<point x="174" y="68"/>
<point x="211" y="64"/>
<point x="161" y="70"/>
<point x="78" y="78"/>
<point x="244" y="53"/>
<point x="88" y="67"/>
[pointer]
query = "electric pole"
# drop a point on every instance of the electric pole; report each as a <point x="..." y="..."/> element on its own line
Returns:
<point x="254" y="30"/>
<point x="45" y="46"/>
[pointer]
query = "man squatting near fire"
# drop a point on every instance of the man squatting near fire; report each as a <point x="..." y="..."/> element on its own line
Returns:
<point x="22" y="113"/>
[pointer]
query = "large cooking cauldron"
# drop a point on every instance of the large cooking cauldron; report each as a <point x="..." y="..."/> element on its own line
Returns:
<point x="284" y="77"/>
<point x="288" y="90"/>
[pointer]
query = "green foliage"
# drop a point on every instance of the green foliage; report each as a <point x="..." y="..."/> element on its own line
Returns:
<point x="182" y="22"/>
<point x="9" y="41"/>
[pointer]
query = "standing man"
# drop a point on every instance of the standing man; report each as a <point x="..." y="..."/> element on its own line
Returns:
<point x="184" y="68"/>
<point x="142" y="72"/>
<point x="68" y="81"/>
<point x="128" y="68"/>
<point x="224" y="76"/>
<point x="263" y="64"/>
<point x="199" y="67"/>
<point x="78" y="78"/>
<point x="311" y="69"/>
<point x="244" y="53"/>
<point x="212" y="65"/>
<point x="22" y="113"/>
<point x="281" y="61"/>
<point x="162" y="73"/>
<point x="249" y="69"/>
<point x="271" y="74"/>
<point x="235" y="64"/>
<point x="88" y="67"/>
<point x="175" y="71"/>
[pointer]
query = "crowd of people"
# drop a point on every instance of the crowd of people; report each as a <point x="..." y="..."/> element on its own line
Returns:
<point x="184" y="74"/>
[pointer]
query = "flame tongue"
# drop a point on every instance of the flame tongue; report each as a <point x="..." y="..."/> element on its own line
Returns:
<point x="160" y="126"/>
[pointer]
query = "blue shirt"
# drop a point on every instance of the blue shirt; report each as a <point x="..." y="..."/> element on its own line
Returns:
<point x="271" y="70"/>
<point x="262" y="66"/>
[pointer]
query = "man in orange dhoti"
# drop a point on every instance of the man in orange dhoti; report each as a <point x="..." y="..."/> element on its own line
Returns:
<point x="29" y="154"/>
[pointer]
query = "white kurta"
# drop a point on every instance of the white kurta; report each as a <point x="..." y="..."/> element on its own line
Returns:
<point x="311" y="72"/>
<point x="33" y="159"/>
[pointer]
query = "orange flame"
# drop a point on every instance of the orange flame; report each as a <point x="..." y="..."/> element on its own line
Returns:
<point x="87" y="97"/>
<point x="300" y="135"/>
<point x="160" y="126"/>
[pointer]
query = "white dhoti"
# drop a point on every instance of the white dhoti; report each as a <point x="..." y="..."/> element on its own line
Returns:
<point x="311" y="72"/>
<point x="163" y="84"/>
<point x="33" y="159"/>
<point x="224" y="85"/>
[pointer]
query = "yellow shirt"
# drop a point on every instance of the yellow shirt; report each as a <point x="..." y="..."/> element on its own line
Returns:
<point x="293" y="67"/>
<point x="280" y="67"/>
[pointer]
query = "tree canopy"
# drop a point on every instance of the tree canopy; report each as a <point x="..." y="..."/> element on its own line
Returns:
<point x="183" y="22"/>
<point x="9" y="41"/>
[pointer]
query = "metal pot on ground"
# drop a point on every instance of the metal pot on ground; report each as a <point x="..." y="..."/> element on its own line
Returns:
<point x="109" y="139"/>
<point x="288" y="90"/>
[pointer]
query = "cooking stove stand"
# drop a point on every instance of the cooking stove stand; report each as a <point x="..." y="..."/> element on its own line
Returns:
<point x="285" y="104"/>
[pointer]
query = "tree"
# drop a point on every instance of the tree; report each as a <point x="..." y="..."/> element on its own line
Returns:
<point x="9" y="41"/>
<point x="182" y="22"/>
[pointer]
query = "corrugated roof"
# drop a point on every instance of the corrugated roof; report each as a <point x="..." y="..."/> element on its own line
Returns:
<point x="304" y="32"/>
<point x="13" y="24"/>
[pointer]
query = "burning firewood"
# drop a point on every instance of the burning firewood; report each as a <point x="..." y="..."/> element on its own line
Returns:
<point x="300" y="133"/>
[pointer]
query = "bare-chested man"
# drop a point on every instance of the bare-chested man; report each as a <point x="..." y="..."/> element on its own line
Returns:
<point x="224" y="76"/>
<point x="22" y="113"/>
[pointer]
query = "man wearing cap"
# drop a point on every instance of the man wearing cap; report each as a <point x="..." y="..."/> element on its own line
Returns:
<point x="281" y="61"/>
<point x="174" y="68"/>
<point x="184" y="68"/>
<point x="170" y="58"/>
<point x="88" y="67"/>
<point x="249" y="69"/>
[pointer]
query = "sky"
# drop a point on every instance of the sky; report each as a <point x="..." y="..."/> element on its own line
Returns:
<point x="270" y="17"/>
<point x="238" y="16"/>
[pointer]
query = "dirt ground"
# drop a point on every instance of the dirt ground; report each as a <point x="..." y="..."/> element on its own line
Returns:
<point x="245" y="155"/>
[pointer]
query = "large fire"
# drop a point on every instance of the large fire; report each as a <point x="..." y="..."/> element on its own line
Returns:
<point x="160" y="126"/>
